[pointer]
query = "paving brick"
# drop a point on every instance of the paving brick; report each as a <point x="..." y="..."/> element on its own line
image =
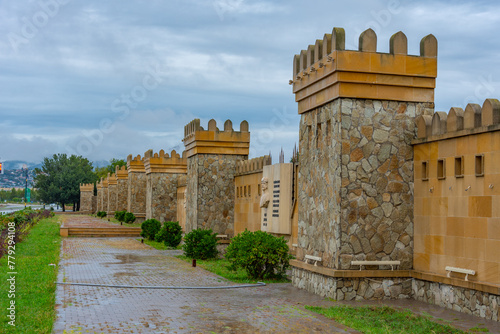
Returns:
<point x="275" y="308"/>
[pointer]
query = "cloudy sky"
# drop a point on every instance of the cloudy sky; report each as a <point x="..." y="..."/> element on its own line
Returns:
<point x="104" y="79"/>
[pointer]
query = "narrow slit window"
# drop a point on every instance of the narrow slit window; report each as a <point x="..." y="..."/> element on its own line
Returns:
<point x="258" y="189"/>
<point x="459" y="166"/>
<point x="319" y="135"/>
<point x="441" y="169"/>
<point x="249" y="193"/>
<point x="328" y="131"/>
<point x="425" y="170"/>
<point x="245" y="191"/>
<point x="237" y="192"/>
<point x="479" y="165"/>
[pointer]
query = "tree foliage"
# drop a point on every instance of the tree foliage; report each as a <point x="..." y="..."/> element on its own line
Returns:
<point x="111" y="168"/>
<point x="58" y="181"/>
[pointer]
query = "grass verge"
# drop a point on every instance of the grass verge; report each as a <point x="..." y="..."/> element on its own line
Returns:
<point x="382" y="320"/>
<point x="35" y="280"/>
<point x="219" y="267"/>
<point x="159" y="245"/>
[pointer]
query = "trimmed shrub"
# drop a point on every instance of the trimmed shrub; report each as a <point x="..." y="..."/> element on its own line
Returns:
<point x="101" y="214"/>
<point x="120" y="215"/>
<point x="170" y="234"/>
<point x="261" y="254"/>
<point x="150" y="228"/>
<point x="129" y="217"/>
<point x="200" y="244"/>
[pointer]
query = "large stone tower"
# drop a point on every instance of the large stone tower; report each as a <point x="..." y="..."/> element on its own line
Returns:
<point x="211" y="164"/>
<point x="356" y="160"/>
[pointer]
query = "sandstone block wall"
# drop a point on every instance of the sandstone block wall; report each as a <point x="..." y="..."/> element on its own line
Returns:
<point x="181" y="201"/>
<point x="247" y="191"/>
<point x="457" y="187"/>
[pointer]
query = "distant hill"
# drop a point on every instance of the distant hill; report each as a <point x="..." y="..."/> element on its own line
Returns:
<point x="14" y="176"/>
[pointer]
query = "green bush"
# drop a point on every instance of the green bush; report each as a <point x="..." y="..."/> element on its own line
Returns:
<point x="261" y="254"/>
<point x="129" y="217"/>
<point x="149" y="228"/>
<point x="120" y="215"/>
<point x="200" y="244"/>
<point x="170" y="234"/>
<point x="101" y="214"/>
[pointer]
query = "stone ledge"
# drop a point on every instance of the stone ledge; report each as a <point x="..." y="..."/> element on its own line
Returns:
<point x="479" y="286"/>
<point x="350" y="273"/>
<point x="424" y="276"/>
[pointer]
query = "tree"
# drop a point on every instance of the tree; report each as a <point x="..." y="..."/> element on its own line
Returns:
<point x="111" y="168"/>
<point x="58" y="181"/>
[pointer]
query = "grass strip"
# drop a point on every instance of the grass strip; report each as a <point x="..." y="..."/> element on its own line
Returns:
<point x="382" y="320"/>
<point x="159" y="245"/>
<point x="219" y="267"/>
<point x="35" y="280"/>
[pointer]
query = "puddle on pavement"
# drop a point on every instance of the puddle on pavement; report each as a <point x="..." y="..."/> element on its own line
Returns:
<point x="124" y="273"/>
<point x="129" y="258"/>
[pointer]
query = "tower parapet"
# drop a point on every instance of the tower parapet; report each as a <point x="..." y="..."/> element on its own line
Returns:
<point x="254" y="165"/>
<point x="197" y="140"/>
<point x="326" y="70"/>
<point x="163" y="163"/>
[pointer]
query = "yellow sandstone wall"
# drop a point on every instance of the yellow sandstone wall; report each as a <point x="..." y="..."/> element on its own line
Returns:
<point x="457" y="216"/>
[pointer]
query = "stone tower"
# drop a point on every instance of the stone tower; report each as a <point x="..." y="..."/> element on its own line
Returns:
<point x="136" y="199"/>
<point x="211" y="164"/>
<point x="162" y="173"/>
<point x="357" y="113"/>
<point x="121" y="188"/>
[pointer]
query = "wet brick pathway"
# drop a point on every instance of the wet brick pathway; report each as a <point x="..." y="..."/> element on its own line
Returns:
<point x="276" y="308"/>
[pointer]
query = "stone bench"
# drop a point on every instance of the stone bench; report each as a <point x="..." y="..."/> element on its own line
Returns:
<point x="375" y="263"/>
<point x="467" y="272"/>
<point x="316" y="259"/>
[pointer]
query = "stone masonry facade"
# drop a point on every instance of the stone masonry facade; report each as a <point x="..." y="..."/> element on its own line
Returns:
<point x="137" y="193"/>
<point x="357" y="160"/>
<point x="121" y="194"/>
<point x="210" y="184"/>
<point x="161" y="196"/>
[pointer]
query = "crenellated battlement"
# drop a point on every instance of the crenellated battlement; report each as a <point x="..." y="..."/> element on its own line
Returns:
<point x="104" y="182"/>
<point x="457" y="122"/>
<point x="163" y="163"/>
<point x="135" y="164"/>
<point x="197" y="140"/>
<point x="86" y="187"/>
<point x="121" y="172"/>
<point x="326" y="70"/>
<point x="112" y="180"/>
<point x="254" y="165"/>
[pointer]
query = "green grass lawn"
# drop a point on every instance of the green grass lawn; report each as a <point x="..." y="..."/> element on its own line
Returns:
<point x="219" y="267"/>
<point x="383" y="320"/>
<point x="158" y="245"/>
<point x="35" y="280"/>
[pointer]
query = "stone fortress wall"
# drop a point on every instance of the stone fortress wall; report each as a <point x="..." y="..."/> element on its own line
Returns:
<point x="381" y="177"/>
